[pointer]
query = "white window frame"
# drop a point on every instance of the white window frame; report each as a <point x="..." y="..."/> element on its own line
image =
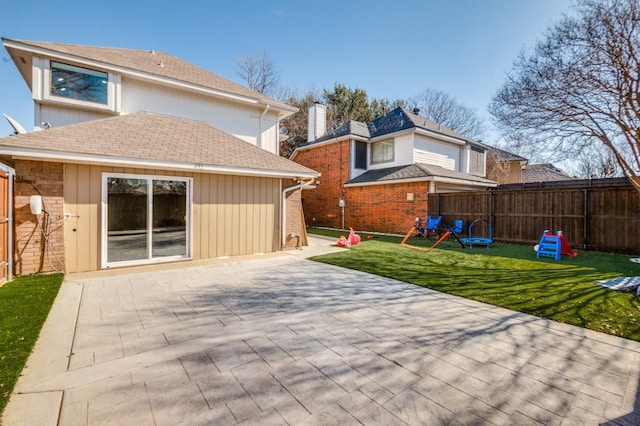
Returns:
<point x="111" y="89"/>
<point x="105" y="264"/>
<point x="378" y="143"/>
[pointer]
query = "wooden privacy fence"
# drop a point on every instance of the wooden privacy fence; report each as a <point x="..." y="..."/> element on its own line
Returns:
<point x="601" y="215"/>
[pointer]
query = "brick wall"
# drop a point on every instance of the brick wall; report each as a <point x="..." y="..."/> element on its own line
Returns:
<point x="321" y="205"/>
<point x="32" y="252"/>
<point x="293" y="221"/>
<point x="386" y="208"/>
<point x="377" y="208"/>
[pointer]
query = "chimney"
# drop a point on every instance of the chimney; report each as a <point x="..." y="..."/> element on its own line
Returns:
<point x="317" y="121"/>
<point x="416" y="111"/>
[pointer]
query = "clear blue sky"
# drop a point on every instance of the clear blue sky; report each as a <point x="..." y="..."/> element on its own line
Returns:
<point x="390" y="49"/>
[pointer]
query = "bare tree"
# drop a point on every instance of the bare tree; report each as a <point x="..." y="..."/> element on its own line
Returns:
<point x="599" y="164"/>
<point x="259" y="72"/>
<point x="443" y="109"/>
<point x="498" y="168"/>
<point x="579" y="88"/>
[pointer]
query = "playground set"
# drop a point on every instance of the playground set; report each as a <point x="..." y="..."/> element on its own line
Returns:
<point x="554" y="246"/>
<point x="550" y="245"/>
<point x="433" y="229"/>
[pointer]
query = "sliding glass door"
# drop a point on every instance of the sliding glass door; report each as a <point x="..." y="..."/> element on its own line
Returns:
<point x="146" y="219"/>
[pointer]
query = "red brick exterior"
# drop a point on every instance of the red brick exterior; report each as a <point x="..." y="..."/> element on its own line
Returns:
<point x="321" y="206"/>
<point x="375" y="208"/>
<point x="293" y="220"/>
<point x="32" y="253"/>
<point x="385" y="208"/>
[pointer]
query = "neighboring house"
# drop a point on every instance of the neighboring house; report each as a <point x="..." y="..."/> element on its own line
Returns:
<point x="145" y="158"/>
<point x="505" y="167"/>
<point x="376" y="176"/>
<point x="545" y="172"/>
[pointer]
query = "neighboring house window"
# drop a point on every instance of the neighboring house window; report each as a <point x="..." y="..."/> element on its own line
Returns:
<point x="69" y="81"/>
<point x="382" y="152"/>
<point x="146" y="218"/>
<point x="361" y="155"/>
<point x="476" y="161"/>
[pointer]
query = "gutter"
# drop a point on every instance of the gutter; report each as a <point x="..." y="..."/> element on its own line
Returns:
<point x="302" y="185"/>
<point x="440" y="179"/>
<point x="52" y="156"/>
<point x="311" y="145"/>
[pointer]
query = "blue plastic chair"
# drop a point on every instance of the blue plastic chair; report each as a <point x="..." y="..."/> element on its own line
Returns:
<point x="433" y="223"/>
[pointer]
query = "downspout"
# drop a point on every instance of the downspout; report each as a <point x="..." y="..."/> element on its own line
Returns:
<point x="284" y="206"/>
<point x="10" y="231"/>
<point x="260" y="125"/>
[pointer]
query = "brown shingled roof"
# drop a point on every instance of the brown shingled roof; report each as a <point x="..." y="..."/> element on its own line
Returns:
<point x="153" y="137"/>
<point x="152" y="62"/>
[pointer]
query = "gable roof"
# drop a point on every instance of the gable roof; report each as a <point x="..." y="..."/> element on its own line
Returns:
<point x="417" y="171"/>
<point x="401" y="118"/>
<point x="544" y="172"/>
<point x="396" y="120"/>
<point x="507" y="156"/>
<point x="153" y="141"/>
<point x="351" y="127"/>
<point x="148" y="62"/>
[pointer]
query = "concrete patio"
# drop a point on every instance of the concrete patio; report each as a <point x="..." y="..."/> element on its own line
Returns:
<point x="279" y="340"/>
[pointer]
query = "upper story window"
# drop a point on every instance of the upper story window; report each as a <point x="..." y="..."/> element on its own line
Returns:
<point x="361" y="155"/>
<point x="83" y="84"/>
<point x="476" y="161"/>
<point x="382" y="152"/>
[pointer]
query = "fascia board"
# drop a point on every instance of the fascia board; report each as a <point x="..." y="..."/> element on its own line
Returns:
<point x="55" y="156"/>
<point x="425" y="179"/>
<point x="327" y="142"/>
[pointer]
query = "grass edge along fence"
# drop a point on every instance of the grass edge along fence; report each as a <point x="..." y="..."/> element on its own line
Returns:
<point x="599" y="215"/>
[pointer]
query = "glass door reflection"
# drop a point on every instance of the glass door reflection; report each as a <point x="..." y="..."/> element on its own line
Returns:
<point x="127" y="227"/>
<point x="169" y="232"/>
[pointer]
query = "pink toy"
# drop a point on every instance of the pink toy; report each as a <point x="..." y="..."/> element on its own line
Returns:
<point x="348" y="242"/>
<point x="353" y="237"/>
<point x="343" y="242"/>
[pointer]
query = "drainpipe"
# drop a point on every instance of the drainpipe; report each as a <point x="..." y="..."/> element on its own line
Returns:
<point x="306" y="185"/>
<point x="11" y="176"/>
<point x="260" y="125"/>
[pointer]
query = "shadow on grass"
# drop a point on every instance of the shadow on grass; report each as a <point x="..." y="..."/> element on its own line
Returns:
<point x="562" y="291"/>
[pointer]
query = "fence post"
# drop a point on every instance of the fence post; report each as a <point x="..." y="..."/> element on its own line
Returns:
<point x="585" y="219"/>
<point x="492" y="216"/>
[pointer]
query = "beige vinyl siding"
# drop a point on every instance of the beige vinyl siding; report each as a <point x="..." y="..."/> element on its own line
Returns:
<point x="429" y="151"/>
<point x="231" y="215"/>
<point x="234" y="215"/>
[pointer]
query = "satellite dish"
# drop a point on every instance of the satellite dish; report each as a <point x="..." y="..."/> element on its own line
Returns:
<point x="17" y="127"/>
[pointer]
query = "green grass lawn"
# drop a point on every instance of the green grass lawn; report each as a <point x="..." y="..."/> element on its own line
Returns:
<point x="24" y="305"/>
<point x="509" y="276"/>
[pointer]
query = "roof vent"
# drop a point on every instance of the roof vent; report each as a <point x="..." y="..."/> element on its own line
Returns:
<point x="416" y="111"/>
<point x="153" y="52"/>
<point x="161" y="64"/>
